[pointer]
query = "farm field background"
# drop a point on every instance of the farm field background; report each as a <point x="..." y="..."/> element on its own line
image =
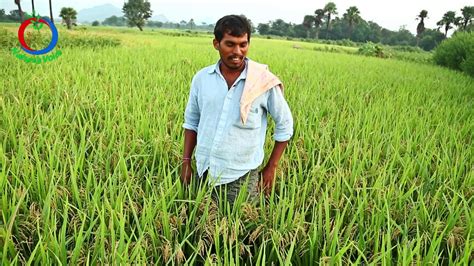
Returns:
<point x="380" y="169"/>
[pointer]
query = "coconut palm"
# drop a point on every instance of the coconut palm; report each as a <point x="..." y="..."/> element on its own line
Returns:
<point x="308" y="22"/>
<point x="330" y="10"/>
<point x="352" y="16"/>
<point x="421" y="26"/>
<point x="68" y="14"/>
<point x="448" y="19"/>
<point x="318" y="20"/>
<point x="468" y="14"/>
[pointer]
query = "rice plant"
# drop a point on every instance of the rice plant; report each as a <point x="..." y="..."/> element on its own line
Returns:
<point x="380" y="169"/>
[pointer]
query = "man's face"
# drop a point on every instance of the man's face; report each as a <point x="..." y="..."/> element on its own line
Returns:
<point x="232" y="50"/>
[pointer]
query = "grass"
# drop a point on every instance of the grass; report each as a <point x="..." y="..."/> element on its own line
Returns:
<point x="379" y="171"/>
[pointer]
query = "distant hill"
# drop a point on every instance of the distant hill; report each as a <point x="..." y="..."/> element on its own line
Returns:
<point x="98" y="13"/>
<point x="160" y="18"/>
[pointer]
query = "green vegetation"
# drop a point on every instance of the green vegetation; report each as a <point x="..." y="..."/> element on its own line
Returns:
<point x="371" y="49"/>
<point x="137" y="12"/>
<point x="68" y="14"/>
<point x="40" y="39"/>
<point x="457" y="53"/>
<point x="379" y="171"/>
<point x="115" y="21"/>
<point x="325" y="24"/>
<point x="350" y="26"/>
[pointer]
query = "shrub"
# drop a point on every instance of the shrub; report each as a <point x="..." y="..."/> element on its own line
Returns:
<point x="430" y="39"/>
<point x="468" y="65"/>
<point x="457" y="52"/>
<point x="371" y="49"/>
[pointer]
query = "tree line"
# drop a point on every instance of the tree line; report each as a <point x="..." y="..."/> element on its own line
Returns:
<point x="136" y="12"/>
<point x="68" y="14"/>
<point x="122" y="21"/>
<point x="323" y="24"/>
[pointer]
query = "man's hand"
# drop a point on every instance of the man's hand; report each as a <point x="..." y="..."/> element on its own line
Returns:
<point x="268" y="177"/>
<point x="268" y="172"/>
<point x="186" y="172"/>
<point x="190" y="139"/>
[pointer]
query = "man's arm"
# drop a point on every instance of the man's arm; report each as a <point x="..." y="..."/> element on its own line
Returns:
<point x="192" y="115"/>
<point x="190" y="139"/>
<point x="268" y="172"/>
<point x="281" y="114"/>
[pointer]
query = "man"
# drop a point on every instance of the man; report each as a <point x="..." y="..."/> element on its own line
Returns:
<point x="226" y="116"/>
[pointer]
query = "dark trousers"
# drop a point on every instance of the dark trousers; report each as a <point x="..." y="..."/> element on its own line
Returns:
<point x="247" y="185"/>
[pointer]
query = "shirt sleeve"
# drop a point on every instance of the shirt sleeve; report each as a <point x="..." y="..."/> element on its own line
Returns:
<point x="281" y="114"/>
<point x="192" y="112"/>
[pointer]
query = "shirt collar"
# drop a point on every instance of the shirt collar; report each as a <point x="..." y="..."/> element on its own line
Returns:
<point x="217" y="70"/>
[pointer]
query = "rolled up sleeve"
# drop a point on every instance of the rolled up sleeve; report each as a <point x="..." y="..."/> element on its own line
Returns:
<point x="281" y="114"/>
<point x="192" y="112"/>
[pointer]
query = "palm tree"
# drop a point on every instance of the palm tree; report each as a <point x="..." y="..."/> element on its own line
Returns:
<point x="330" y="9"/>
<point x="308" y="22"/>
<point x="191" y="23"/>
<point x="51" y="11"/>
<point x="421" y="26"/>
<point x="352" y="16"/>
<point x="17" y="2"/>
<point x="448" y="19"/>
<point x="318" y="20"/>
<point x="468" y="14"/>
<point x="68" y="14"/>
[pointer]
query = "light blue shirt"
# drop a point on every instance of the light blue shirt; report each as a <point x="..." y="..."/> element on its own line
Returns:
<point x="225" y="147"/>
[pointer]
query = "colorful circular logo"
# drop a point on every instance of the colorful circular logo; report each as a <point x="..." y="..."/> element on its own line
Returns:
<point x="21" y="36"/>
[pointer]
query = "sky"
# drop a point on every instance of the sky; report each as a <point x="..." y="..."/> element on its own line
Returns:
<point x="388" y="14"/>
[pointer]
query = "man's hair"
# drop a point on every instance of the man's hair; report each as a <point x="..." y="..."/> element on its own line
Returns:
<point x="233" y="25"/>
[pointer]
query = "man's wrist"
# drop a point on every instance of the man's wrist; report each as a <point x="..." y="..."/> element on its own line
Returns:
<point x="271" y="164"/>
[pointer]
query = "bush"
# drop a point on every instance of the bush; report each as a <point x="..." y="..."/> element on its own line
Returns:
<point x="95" y="23"/>
<point x="468" y="65"/>
<point x="430" y="39"/>
<point x="371" y="49"/>
<point x="457" y="52"/>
